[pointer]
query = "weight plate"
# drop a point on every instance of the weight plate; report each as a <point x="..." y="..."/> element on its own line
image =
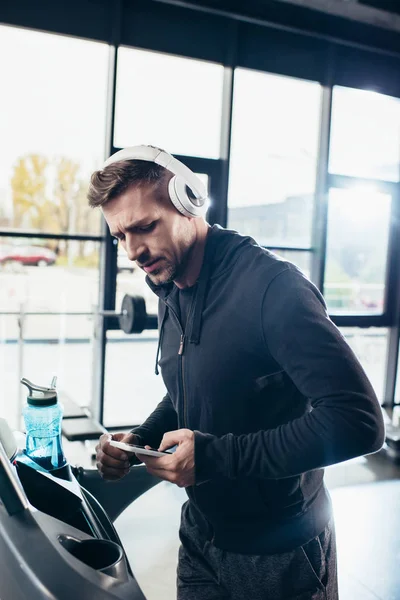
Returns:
<point x="133" y="314"/>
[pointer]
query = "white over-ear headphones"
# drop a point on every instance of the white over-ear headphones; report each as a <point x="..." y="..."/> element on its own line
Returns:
<point x="187" y="193"/>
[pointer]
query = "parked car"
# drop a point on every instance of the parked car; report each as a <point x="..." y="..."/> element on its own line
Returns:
<point x="27" y="255"/>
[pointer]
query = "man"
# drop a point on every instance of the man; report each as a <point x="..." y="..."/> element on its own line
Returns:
<point x="263" y="392"/>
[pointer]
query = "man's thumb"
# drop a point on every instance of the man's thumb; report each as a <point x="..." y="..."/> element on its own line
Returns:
<point x="170" y="439"/>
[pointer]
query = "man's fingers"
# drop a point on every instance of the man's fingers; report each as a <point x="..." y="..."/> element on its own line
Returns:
<point x="111" y="462"/>
<point x="111" y="474"/>
<point x="104" y="446"/>
<point x="172" y="438"/>
<point x="162" y="473"/>
<point x="157" y="462"/>
<point x="116" y="453"/>
<point x="148" y="460"/>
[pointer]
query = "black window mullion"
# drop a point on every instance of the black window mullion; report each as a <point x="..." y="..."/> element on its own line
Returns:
<point x="362" y="321"/>
<point x="197" y="164"/>
<point x="51" y="236"/>
<point x="320" y="217"/>
<point x="290" y="248"/>
<point x="392" y="360"/>
<point x="221" y="211"/>
<point x="392" y="300"/>
<point x="108" y="263"/>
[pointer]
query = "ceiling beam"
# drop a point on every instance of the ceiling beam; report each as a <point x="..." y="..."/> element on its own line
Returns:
<point x="353" y="10"/>
<point x="254" y="10"/>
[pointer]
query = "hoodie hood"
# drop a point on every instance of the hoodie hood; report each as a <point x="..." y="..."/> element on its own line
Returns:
<point x="221" y="246"/>
<point x="219" y="256"/>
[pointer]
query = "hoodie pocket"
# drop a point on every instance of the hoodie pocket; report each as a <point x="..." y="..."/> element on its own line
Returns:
<point x="312" y="571"/>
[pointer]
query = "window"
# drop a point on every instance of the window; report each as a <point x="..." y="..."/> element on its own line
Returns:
<point x="45" y="274"/>
<point x="131" y="280"/>
<point x="365" y="134"/>
<point x="52" y="119"/>
<point x="397" y="389"/>
<point x="300" y="259"/>
<point x="132" y="390"/>
<point x="370" y="347"/>
<point x="275" y="133"/>
<point x="357" y="248"/>
<point x="48" y="289"/>
<point x="52" y="123"/>
<point x="170" y="102"/>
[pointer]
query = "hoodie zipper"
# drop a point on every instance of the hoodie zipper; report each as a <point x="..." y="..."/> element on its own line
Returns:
<point x="180" y="354"/>
<point x="181" y="345"/>
<point x="182" y="386"/>
<point x="182" y="381"/>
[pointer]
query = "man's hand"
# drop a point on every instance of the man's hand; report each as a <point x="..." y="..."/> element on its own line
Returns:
<point x="113" y="463"/>
<point x="178" y="467"/>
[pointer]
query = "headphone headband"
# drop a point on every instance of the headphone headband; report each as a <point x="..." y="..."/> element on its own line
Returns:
<point x="162" y="158"/>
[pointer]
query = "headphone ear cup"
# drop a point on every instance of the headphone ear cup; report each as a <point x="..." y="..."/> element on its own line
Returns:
<point x="178" y="193"/>
<point x="173" y="196"/>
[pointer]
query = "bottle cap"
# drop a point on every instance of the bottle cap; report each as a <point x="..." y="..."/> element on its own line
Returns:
<point x="38" y="395"/>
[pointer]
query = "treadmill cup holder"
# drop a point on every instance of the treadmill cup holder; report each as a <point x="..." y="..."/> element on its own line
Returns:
<point x="104" y="556"/>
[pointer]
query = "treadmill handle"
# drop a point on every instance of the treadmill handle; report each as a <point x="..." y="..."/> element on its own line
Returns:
<point x="11" y="494"/>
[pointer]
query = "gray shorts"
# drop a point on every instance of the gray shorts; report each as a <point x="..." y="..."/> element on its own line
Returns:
<point x="209" y="573"/>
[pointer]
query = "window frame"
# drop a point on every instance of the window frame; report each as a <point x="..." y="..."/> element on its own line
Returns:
<point x="238" y="46"/>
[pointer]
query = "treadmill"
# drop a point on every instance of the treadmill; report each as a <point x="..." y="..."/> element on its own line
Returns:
<point x="56" y="539"/>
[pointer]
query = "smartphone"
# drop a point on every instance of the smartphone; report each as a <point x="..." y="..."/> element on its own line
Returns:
<point x="138" y="449"/>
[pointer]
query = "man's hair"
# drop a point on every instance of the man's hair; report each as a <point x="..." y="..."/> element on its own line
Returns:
<point x="116" y="178"/>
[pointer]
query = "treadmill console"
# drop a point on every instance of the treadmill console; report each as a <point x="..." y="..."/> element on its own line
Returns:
<point x="56" y="541"/>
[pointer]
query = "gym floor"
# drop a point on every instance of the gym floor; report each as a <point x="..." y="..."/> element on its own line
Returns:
<point x="366" y="499"/>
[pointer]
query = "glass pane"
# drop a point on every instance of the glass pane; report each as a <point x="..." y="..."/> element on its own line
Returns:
<point x="52" y="123"/>
<point x="370" y="347"/>
<point x="274" y="150"/>
<point x="170" y="102"/>
<point x="132" y="390"/>
<point x="357" y="246"/>
<point x="365" y="134"/>
<point x="300" y="259"/>
<point x="131" y="280"/>
<point x="52" y="345"/>
<point x="56" y="279"/>
<point x="43" y="276"/>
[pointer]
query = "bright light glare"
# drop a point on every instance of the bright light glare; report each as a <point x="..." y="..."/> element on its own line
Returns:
<point x="361" y="204"/>
<point x="365" y="134"/>
<point x="275" y="132"/>
<point x="169" y="101"/>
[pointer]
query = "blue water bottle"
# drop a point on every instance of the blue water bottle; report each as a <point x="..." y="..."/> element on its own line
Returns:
<point x="42" y="415"/>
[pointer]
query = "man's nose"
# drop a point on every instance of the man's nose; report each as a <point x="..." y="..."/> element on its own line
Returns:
<point x="134" y="250"/>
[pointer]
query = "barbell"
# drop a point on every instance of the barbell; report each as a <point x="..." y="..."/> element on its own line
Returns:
<point x="133" y="317"/>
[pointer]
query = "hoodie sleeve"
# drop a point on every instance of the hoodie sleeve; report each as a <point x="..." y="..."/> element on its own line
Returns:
<point x="162" y="419"/>
<point x="345" y="420"/>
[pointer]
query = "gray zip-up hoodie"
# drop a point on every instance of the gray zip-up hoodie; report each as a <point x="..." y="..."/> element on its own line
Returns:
<point x="272" y="391"/>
